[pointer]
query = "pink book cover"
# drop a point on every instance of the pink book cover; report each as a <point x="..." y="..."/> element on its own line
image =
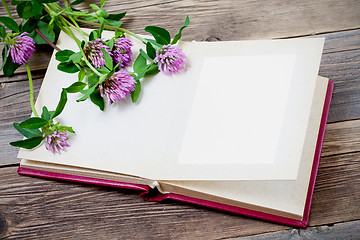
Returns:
<point x="149" y="194"/>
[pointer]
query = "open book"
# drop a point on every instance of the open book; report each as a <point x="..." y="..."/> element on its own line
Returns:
<point x="241" y="130"/>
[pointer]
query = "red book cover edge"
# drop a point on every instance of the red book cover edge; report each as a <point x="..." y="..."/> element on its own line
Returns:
<point x="148" y="194"/>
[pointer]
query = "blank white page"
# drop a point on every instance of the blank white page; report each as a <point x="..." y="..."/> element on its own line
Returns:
<point x="234" y="113"/>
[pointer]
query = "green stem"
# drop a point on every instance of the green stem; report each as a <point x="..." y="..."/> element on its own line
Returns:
<point x="7" y="8"/>
<point x="31" y="90"/>
<point x="76" y="26"/>
<point x="66" y="4"/>
<point x="55" y="7"/>
<point x="83" y="14"/>
<point x="116" y="28"/>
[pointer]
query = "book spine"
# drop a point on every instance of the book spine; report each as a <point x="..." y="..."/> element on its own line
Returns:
<point x="317" y="154"/>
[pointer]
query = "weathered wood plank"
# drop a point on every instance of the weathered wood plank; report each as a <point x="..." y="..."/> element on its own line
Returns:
<point x="341" y="137"/>
<point x="342" y="65"/>
<point x="234" y="20"/>
<point x="34" y="208"/>
<point x="15" y="107"/>
<point x="348" y="230"/>
<point x="337" y="190"/>
<point x="231" y="20"/>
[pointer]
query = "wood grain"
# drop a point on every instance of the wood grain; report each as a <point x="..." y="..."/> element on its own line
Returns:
<point x="337" y="190"/>
<point x="348" y="230"/>
<point x="36" y="208"/>
<point x="235" y="20"/>
<point x="230" y="20"/>
<point x="341" y="64"/>
<point x="341" y="137"/>
<point x="14" y="98"/>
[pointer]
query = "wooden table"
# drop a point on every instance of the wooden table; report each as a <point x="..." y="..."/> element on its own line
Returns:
<point x="33" y="208"/>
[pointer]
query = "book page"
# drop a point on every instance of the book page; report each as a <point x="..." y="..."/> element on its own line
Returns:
<point x="154" y="138"/>
<point x="288" y="197"/>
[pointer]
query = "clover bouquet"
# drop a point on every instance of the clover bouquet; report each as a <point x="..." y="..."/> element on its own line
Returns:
<point x="102" y="65"/>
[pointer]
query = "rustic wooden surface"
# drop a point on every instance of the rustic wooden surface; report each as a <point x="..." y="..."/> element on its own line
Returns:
<point x="32" y="208"/>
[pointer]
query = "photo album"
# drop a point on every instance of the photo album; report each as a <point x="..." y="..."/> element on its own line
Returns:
<point x="240" y="129"/>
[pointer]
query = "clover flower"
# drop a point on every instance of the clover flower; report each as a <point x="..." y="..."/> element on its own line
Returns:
<point x="170" y="59"/>
<point x="56" y="141"/>
<point x="118" y="86"/>
<point x="21" y="48"/>
<point x="94" y="54"/>
<point x="121" y="52"/>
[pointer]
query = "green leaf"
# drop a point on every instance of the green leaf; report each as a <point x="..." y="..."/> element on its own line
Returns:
<point x="90" y="19"/>
<point x="77" y="2"/>
<point x="64" y="55"/>
<point x="16" y="2"/>
<point x="161" y="35"/>
<point x="144" y="54"/>
<point x="76" y="87"/>
<point x="118" y="34"/>
<point x="178" y="35"/>
<point x="136" y="93"/>
<point x="28" y="133"/>
<point x="93" y="6"/>
<point x="92" y="79"/>
<point x="2" y="31"/>
<point x="102" y="13"/>
<point x="139" y="64"/>
<point x="9" y="67"/>
<point x="68" y="67"/>
<point x="102" y="3"/>
<point x="111" y="43"/>
<point x="86" y="93"/>
<point x="33" y="123"/>
<point x="108" y="59"/>
<point x="152" y="69"/>
<point x="37" y="8"/>
<point x="4" y="56"/>
<point x="101" y="29"/>
<point x="10" y="23"/>
<point x="29" y="26"/>
<point x="154" y="43"/>
<point x="116" y="17"/>
<point x="150" y="50"/>
<point x="93" y="35"/>
<point x="61" y="104"/>
<point x="103" y="69"/>
<point x="63" y="128"/>
<point x="76" y="57"/>
<point x="96" y="98"/>
<point x="28" y="143"/>
<point x="113" y="23"/>
<point x="46" y="114"/>
<point x="81" y="74"/>
<point x="43" y="28"/>
<point x="24" y="9"/>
